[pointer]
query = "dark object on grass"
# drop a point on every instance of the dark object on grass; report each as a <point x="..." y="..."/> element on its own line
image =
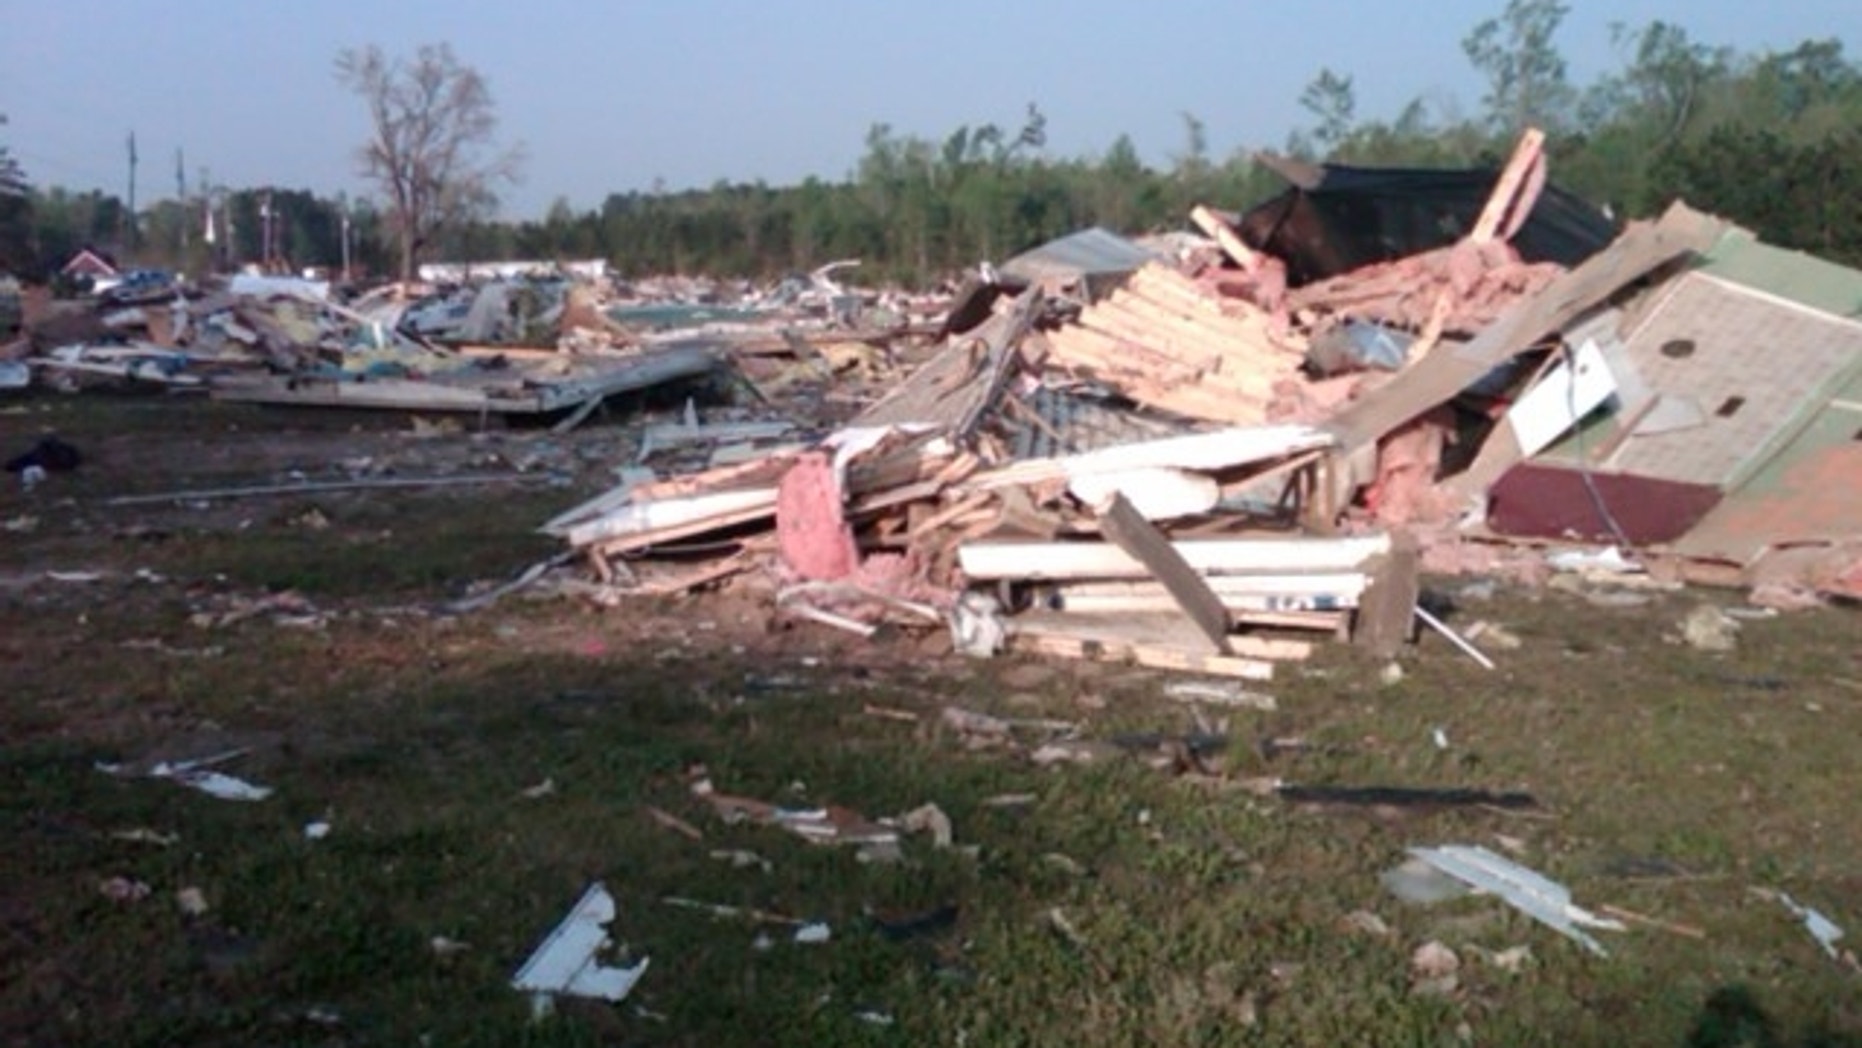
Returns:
<point x="1406" y="797"/>
<point x="49" y="454"/>
<point x="911" y="926"/>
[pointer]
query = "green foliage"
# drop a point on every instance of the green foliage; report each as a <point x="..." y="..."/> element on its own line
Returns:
<point x="1524" y="69"/>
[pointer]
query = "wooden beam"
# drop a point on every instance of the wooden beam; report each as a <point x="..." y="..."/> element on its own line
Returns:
<point x="1124" y="525"/>
<point x="1386" y="618"/>
<point x="983" y="561"/>
<point x="1226" y="237"/>
<point x="1100" y="642"/>
<point x="1512" y="195"/>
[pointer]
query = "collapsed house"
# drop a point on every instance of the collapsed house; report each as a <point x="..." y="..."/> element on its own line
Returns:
<point x="1181" y="459"/>
<point x="1199" y="451"/>
<point x="554" y="344"/>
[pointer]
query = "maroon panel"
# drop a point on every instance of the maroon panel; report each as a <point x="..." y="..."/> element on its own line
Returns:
<point x="1553" y="502"/>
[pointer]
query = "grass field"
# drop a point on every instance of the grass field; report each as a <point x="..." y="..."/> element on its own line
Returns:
<point x="477" y="772"/>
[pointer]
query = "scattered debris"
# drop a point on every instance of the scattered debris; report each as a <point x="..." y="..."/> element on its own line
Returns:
<point x="740" y="859"/>
<point x="1527" y="891"/>
<point x="1820" y="927"/>
<point x="1367" y="922"/>
<point x="446" y="948"/>
<point x="674" y="823"/>
<point x="1433" y="970"/>
<point x="748" y="913"/>
<point x="192" y="901"/>
<point x="143" y="835"/>
<point x="1220" y="693"/>
<point x="1709" y="628"/>
<point x="199" y="775"/>
<point x="1686" y="930"/>
<point x="565" y="963"/>
<point x="124" y="889"/>
<point x="1398" y="799"/>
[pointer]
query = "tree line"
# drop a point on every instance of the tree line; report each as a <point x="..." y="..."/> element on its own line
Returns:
<point x="1769" y="140"/>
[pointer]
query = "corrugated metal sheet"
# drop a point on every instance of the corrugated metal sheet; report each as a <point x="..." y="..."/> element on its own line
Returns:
<point x="1093" y="252"/>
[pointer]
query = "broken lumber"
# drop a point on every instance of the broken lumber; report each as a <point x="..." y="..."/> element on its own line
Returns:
<point x="1172" y="644"/>
<point x="1136" y="536"/>
<point x="990" y="560"/>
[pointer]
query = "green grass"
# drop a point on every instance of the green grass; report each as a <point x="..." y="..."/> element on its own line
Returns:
<point x="1207" y="915"/>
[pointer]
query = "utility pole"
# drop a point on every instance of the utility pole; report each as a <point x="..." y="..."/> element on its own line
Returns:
<point x="265" y="232"/>
<point x="345" y="241"/>
<point x="132" y="191"/>
<point x="181" y="202"/>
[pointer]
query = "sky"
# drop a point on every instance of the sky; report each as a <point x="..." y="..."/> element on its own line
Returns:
<point x="616" y="95"/>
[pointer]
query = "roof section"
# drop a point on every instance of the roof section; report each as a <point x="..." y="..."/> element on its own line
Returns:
<point x="1743" y="259"/>
<point x="1335" y="218"/>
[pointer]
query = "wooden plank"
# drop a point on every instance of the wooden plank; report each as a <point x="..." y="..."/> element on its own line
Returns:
<point x="1321" y="590"/>
<point x="1226" y="238"/>
<point x="660" y="536"/>
<point x="1386" y="618"/>
<point x="1124" y="525"/>
<point x="1159" y="626"/>
<point x="1214" y="452"/>
<point x="1100" y="642"/>
<point x="1076" y="344"/>
<point x="648" y="517"/>
<point x="1153" y="302"/>
<point x="1337" y="623"/>
<point x="1509" y="198"/>
<point x="954" y="388"/>
<point x="983" y="561"/>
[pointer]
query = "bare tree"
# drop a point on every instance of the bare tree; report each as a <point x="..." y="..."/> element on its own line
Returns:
<point x="432" y="151"/>
<point x="1525" y="71"/>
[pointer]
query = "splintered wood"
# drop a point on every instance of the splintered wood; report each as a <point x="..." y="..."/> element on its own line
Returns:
<point x="1166" y="343"/>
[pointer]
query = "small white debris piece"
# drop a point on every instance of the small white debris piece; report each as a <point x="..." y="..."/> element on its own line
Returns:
<point x="1367" y="922"/>
<point x="1511" y="960"/>
<point x="1440" y="738"/>
<point x="192" y="901"/>
<point x="194" y="773"/>
<point x="74" y="576"/>
<point x="539" y="791"/>
<point x="740" y="858"/>
<point x="442" y="946"/>
<point x="144" y="835"/>
<point x="1820" y="927"/>
<point x="213" y="783"/>
<point x="814" y="933"/>
<point x="565" y="963"/>
<point x="1472" y="652"/>
<point x="1220" y="693"/>
<point x="976" y="627"/>
<point x="124" y="889"/>
<point x="927" y="818"/>
<point x="1707" y="628"/>
<point x="317" y="830"/>
<point x="1607" y="561"/>
<point x="1526" y="890"/>
<point x="1433" y="970"/>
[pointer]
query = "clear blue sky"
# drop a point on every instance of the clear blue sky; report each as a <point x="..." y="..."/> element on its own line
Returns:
<point x="618" y="94"/>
